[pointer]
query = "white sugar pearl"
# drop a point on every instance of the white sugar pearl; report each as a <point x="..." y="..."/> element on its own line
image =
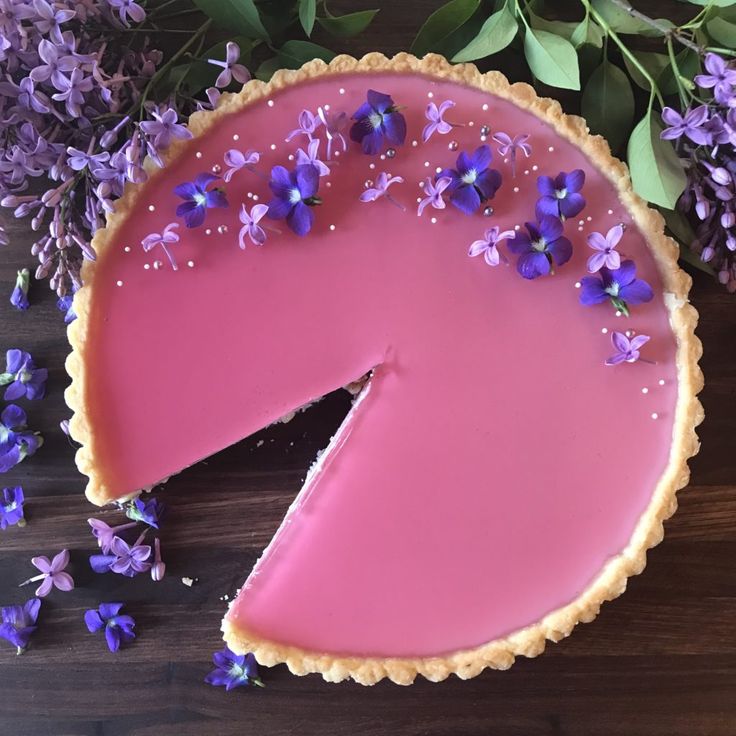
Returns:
<point x="151" y="207"/>
<point x="661" y="382"/>
<point x="430" y="95"/>
<point x="270" y="103"/>
<point x="655" y="415"/>
<point x="371" y="166"/>
<point x="551" y="149"/>
<point x="426" y="163"/>
<point x="471" y="124"/>
<point x="604" y="330"/>
<point x="419" y="199"/>
<point x="157" y="265"/>
<point x="341" y="91"/>
<point x="414" y="144"/>
<point x="645" y="390"/>
<point x="273" y="146"/>
<point x="485" y="106"/>
<point x="434" y="220"/>
<point x="535" y="168"/>
<point x="438" y="169"/>
<point x="326" y="107"/>
<point x="517" y="227"/>
<point x="526" y="172"/>
<point x="328" y="184"/>
<point x="618" y="313"/>
<point x="147" y="266"/>
<point x="580" y="228"/>
<point x="337" y="154"/>
<point x="190" y="264"/>
<point x="127" y="249"/>
<point x="291" y="157"/>
<point x="255" y="197"/>
<point x="332" y="227"/>
<point x="516" y="189"/>
<point x="236" y="137"/>
<point x="208" y="231"/>
<point x="198" y="154"/>
<point x="577" y="284"/>
<point x="119" y="283"/>
<point x="589" y="218"/>
<point x="610" y="212"/>
<point x="629" y="333"/>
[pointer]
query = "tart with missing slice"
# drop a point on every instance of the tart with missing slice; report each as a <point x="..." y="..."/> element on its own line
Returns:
<point x="505" y="467"/>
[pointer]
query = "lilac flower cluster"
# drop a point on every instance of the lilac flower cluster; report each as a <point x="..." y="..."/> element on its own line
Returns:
<point x="705" y="138"/>
<point x="80" y="118"/>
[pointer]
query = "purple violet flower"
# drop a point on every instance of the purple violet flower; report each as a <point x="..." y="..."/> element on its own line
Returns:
<point x="544" y="247"/>
<point x="472" y="182"/>
<point x="335" y="124"/>
<point x="164" y="128"/>
<point x="52" y="574"/>
<point x="233" y="670"/>
<point x="128" y="9"/>
<point x="19" y="622"/>
<point x="720" y="77"/>
<point x="620" y="286"/>
<point x="230" y="68"/>
<point x="310" y="157"/>
<point x="150" y="512"/>
<point x="295" y="193"/>
<point x="16" y="442"/>
<point x="605" y="247"/>
<point x="488" y="245"/>
<point x="627" y="350"/>
<point x="158" y="569"/>
<point x="308" y="122"/>
<point x="561" y="196"/>
<point x="383" y="182"/>
<point x="23" y="377"/>
<point x="691" y="125"/>
<point x="197" y="199"/>
<point x="236" y="160"/>
<point x="165" y="239"/>
<point x="104" y="533"/>
<point x="434" y="191"/>
<point x="251" y="228"/>
<point x="507" y="147"/>
<point x="19" y="297"/>
<point x="118" y="629"/>
<point x="66" y="304"/>
<point x="436" y="123"/>
<point x="11" y="508"/>
<point x="375" y="120"/>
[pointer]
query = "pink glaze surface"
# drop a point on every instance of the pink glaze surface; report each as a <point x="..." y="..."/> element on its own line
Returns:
<point x="493" y="466"/>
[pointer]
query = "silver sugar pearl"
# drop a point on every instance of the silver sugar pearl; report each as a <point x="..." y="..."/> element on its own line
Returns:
<point x="216" y="169"/>
<point x="222" y="229"/>
<point x="487" y="211"/>
<point x="157" y="265"/>
<point x="485" y="129"/>
<point x="368" y="183"/>
<point x="453" y="145"/>
<point x="390" y="153"/>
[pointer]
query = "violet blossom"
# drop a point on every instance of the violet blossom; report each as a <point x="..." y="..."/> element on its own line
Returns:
<point x="437" y="123"/>
<point x="52" y="574"/>
<point x="11" y="507"/>
<point x="21" y="377"/>
<point x="19" y="296"/>
<point x="150" y="512"/>
<point x="508" y="146"/>
<point x="561" y="196"/>
<point x="236" y="160"/>
<point x="118" y="628"/>
<point x="307" y="123"/>
<point x="230" y="68"/>
<point x="472" y="182"/>
<point x="104" y="533"/>
<point x="198" y="199"/>
<point x="16" y="441"/>
<point x="335" y="123"/>
<point x="627" y="349"/>
<point x="19" y="623"/>
<point x="251" y="229"/>
<point x="620" y="286"/>
<point x="168" y="237"/>
<point x="605" y="247"/>
<point x="544" y="247"/>
<point x="66" y="304"/>
<point x="233" y="670"/>
<point x="383" y="182"/>
<point x="487" y="246"/>
<point x="310" y="157"/>
<point x="295" y="194"/>
<point x="377" y="120"/>
<point x="434" y="190"/>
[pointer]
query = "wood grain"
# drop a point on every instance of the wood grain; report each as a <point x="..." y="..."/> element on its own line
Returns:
<point x="659" y="661"/>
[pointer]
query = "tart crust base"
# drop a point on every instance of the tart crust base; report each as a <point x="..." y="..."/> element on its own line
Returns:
<point x="611" y="582"/>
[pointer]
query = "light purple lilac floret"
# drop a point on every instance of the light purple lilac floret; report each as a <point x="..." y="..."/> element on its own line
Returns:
<point x="605" y="249"/>
<point x="52" y="574"/>
<point x="487" y="246"/>
<point x="437" y="122"/>
<point x="627" y="349"/>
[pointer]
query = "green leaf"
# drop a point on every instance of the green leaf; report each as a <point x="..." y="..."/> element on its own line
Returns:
<point x="345" y="26"/>
<point x="608" y="104"/>
<point x="587" y="32"/>
<point x="722" y="31"/>
<point x="442" y="23"/>
<point x="267" y="68"/>
<point x="656" y="171"/>
<point x="621" y="22"/>
<point x="653" y="62"/>
<point x="295" y="53"/>
<point x="307" y="14"/>
<point x="6" y="378"/>
<point x="558" y="27"/>
<point x="714" y="3"/>
<point x="235" y="16"/>
<point x="552" y="59"/>
<point x="495" y="34"/>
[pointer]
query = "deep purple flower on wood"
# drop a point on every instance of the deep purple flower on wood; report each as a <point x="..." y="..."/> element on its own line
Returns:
<point x="310" y="157"/>
<point x="434" y="191"/>
<point x="233" y="670"/>
<point x="19" y="622"/>
<point x="561" y="196"/>
<point x="165" y="127"/>
<point x="52" y="574"/>
<point x="383" y="182"/>
<point x="19" y="296"/>
<point x="53" y="66"/>
<point x="48" y="18"/>
<point x="104" y="533"/>
<point x="690" y="124"/>
<point x="295" y="193"/>
<point x="21" y="377"/>
<point x="627" y="349"/>
<point x="230" y="68"/>
<point x="150" y="512"/>
<point x="487" y="246"/>
<point x="508" y="146"/>
<point x="605" y="247"/>
<point x="73" y="91"/>
<point x="335" y="124"/>
<point x="307" y="123"/>
<point x="198" y="199"/>
<point x="437" y="123"/>
<point x="66" y="304"/>
<point x="168" y="237"/>
<point x="101" y="563"/>
<point x="16" y="442"/>
<point x="236" y="160"/>
<point x="251" y="229"/>
<point x="131" y="558"/>
<point x="158" y="569"/>
<point x="118" y="628"/>
<point x="721" y="77"/>
<point x="128" y="9"/>
<point x="544" y="247"/>
<point x="377" y="120"/>
<point x="620" y="286"/>
<point x="11" y="507"/>
<point x="472" y="182"/>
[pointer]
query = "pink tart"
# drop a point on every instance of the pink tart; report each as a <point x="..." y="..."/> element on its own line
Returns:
<point x="506" y="465"/>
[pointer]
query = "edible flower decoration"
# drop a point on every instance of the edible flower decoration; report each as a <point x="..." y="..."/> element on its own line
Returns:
<point x="307" y="123"/>
<point x="335" y="123"/>
<point x="66" y="304"/>
<point x="487" y="246"/>
<point x="16" y="441"/>
<point x="19" y="622"/>
<point x="251" y="229"/>
<point x="627" y="349"/>
<point x="383" y="182"/>
<point x="21" y="377"/>
<point x="124" y="559"/>
<point x="19" y="295"/>
<point x="620" y="286"/>
<point x="561" y="196"/>
<point x="434" y="191"/>
<point x="472" y="182"/>
<point x="295" y="193"/>
<point x="149" y="512"/>
<point x="52" y="574"/>
<point x="168" y="237"/>
<point x="236" y="160"/>
<point x="198" y="199"/>
<point x="230" y="68"/>
<point x="437" y="123"/>
<point x="508" y="146"/>
<point x="606" y="254"/>
<point x="118" y="628"/>
<point x="544" y="247"/>
<point x="310" y="157"/>
<point x="104" y="533"/>
<point x="233" y="670"/>
<point x="11" y="508"/>
<point x="377" y="120"/>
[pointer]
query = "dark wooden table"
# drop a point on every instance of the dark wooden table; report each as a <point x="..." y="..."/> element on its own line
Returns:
<point x="661" y="660"/>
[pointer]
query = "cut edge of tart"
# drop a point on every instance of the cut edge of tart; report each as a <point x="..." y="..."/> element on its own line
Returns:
<point x="611" y="581"/>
